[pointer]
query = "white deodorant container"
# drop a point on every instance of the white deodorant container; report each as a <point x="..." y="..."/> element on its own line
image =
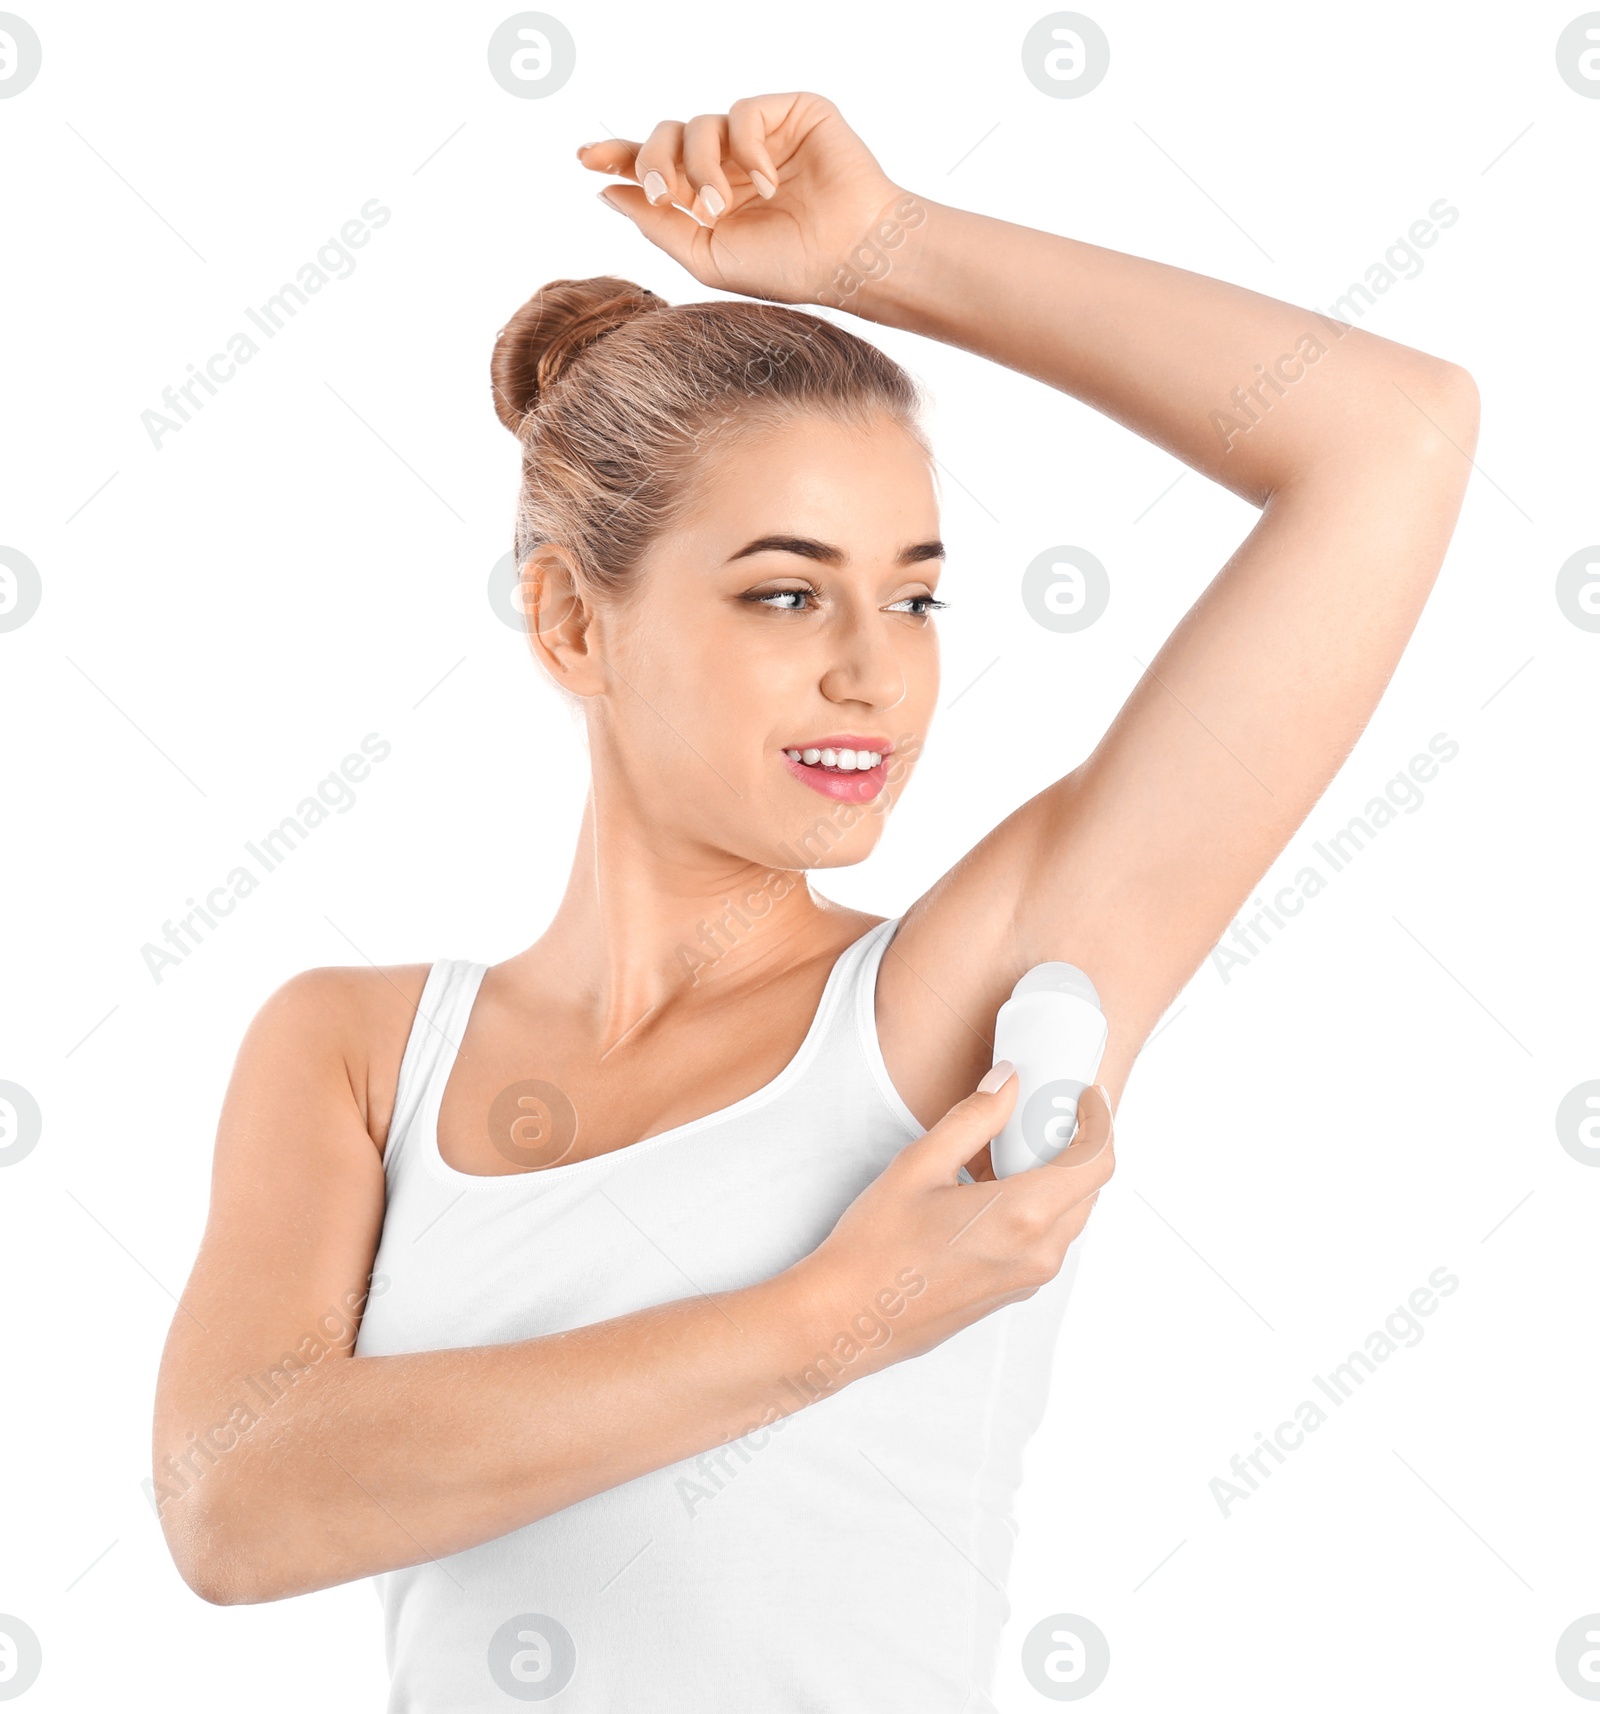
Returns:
<point x="1053" y="1031"/>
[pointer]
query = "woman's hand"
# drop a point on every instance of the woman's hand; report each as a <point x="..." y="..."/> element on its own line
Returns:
<point x="770" y="199"/>
<point x="977" y="1247"/>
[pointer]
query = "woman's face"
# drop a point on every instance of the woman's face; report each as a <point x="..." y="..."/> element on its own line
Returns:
<point x="790" y="610"/>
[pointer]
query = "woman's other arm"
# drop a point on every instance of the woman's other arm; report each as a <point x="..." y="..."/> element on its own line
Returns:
<point x="366" y="1464"/>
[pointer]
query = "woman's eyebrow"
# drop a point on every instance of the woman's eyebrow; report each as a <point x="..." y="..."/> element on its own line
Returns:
<point x="807" y="548"/>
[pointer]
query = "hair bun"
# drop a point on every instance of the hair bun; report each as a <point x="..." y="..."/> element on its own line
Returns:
<point x="555" y="325"/>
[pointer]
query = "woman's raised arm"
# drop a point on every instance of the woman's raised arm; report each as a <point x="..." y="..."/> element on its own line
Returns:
<point x="1356" y="449"/>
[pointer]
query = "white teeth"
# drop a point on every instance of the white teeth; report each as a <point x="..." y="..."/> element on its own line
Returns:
<point x="841" y="761"/>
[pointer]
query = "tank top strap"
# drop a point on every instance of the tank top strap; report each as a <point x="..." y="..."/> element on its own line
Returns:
<point x="859" y="1011"/>
<point x="431" y="1047"/>
<point x="862" y="1013"/>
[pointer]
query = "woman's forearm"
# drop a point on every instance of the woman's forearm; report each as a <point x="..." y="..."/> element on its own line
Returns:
<point x="1253" y="392"/>
<point x="372" y="1463"/>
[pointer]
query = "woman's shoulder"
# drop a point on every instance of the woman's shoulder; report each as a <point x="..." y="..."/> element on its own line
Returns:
<point x="329" y="997"/>
<point x="359" y="1014"/>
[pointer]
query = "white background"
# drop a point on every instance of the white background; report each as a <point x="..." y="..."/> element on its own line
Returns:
<point x="1369" y="1099"/>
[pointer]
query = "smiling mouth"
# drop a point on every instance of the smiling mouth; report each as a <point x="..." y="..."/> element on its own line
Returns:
<point x="837" y="759"/>
<point x="848" y="772"/>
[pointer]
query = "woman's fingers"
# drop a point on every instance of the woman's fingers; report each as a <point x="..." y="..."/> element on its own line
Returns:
<point x="658" y="166"/>
<point x="951" y="1143"/>
<point x="940" y="1152"/>
<point x="1082" y="1170"/>
<point x="1094" y="1126"/>
<point x="615" y="155"/>
<point x="690" y="164"/>
<point x="1056" y="1196"/>
<point x="656" y="173"/>
<point x="705" y="143"/>
<point x="747" y="143"/>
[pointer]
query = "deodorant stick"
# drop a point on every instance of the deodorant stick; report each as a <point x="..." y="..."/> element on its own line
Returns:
<point x="1053" y="1031"/>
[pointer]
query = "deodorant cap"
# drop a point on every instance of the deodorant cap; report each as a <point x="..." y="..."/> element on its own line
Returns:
<point x="1057" y="979"/>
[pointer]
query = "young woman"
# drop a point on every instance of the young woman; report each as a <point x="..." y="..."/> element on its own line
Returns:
<point x="701" y="1344"/>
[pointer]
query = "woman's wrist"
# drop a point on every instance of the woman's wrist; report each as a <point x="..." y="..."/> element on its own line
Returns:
<point x="928" y="268"/>
<point x="850" y="1315"/>
<point x="878" y="277"/>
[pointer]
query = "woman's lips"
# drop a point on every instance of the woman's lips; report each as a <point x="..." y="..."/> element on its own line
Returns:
<point x="859" y="785"/>
<point x="846" y="784"/>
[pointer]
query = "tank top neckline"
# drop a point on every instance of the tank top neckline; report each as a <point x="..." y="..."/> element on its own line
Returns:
<point x="470" y="976"/>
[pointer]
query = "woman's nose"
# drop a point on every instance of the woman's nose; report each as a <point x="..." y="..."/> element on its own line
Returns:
<point x="865" y="670"/>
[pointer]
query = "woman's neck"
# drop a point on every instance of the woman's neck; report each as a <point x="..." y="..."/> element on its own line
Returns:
<point x="641" y="928"/>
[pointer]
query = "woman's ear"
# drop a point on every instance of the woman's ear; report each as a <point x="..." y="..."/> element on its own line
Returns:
<point x="559" y="620"/>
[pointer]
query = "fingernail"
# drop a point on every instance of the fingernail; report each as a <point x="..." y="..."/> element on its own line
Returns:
<point x="584" y="147"/>
<point x="711" y="202"/>
<point x="616" y="208"/>
<point x="764" y="186"/>
<point x="655" y="187"/>
<point x="995" y="1077"/>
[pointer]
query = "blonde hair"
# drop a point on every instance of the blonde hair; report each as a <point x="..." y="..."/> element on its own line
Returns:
<point x="615" y="395"/>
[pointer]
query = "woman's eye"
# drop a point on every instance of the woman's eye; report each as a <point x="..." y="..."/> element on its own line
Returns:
<point x="784" y="600"/>
<point x="923" y="605"/>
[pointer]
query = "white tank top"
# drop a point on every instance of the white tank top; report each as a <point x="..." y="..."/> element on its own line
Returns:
<point x="851" y="1556"/>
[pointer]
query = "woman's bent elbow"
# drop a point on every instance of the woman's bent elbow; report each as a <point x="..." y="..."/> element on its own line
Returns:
<point x="212" y="1585"/>
<point x="1446" y="409"/>
<point x="1459" y="404"/>
<point x="215" y="1557"/>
